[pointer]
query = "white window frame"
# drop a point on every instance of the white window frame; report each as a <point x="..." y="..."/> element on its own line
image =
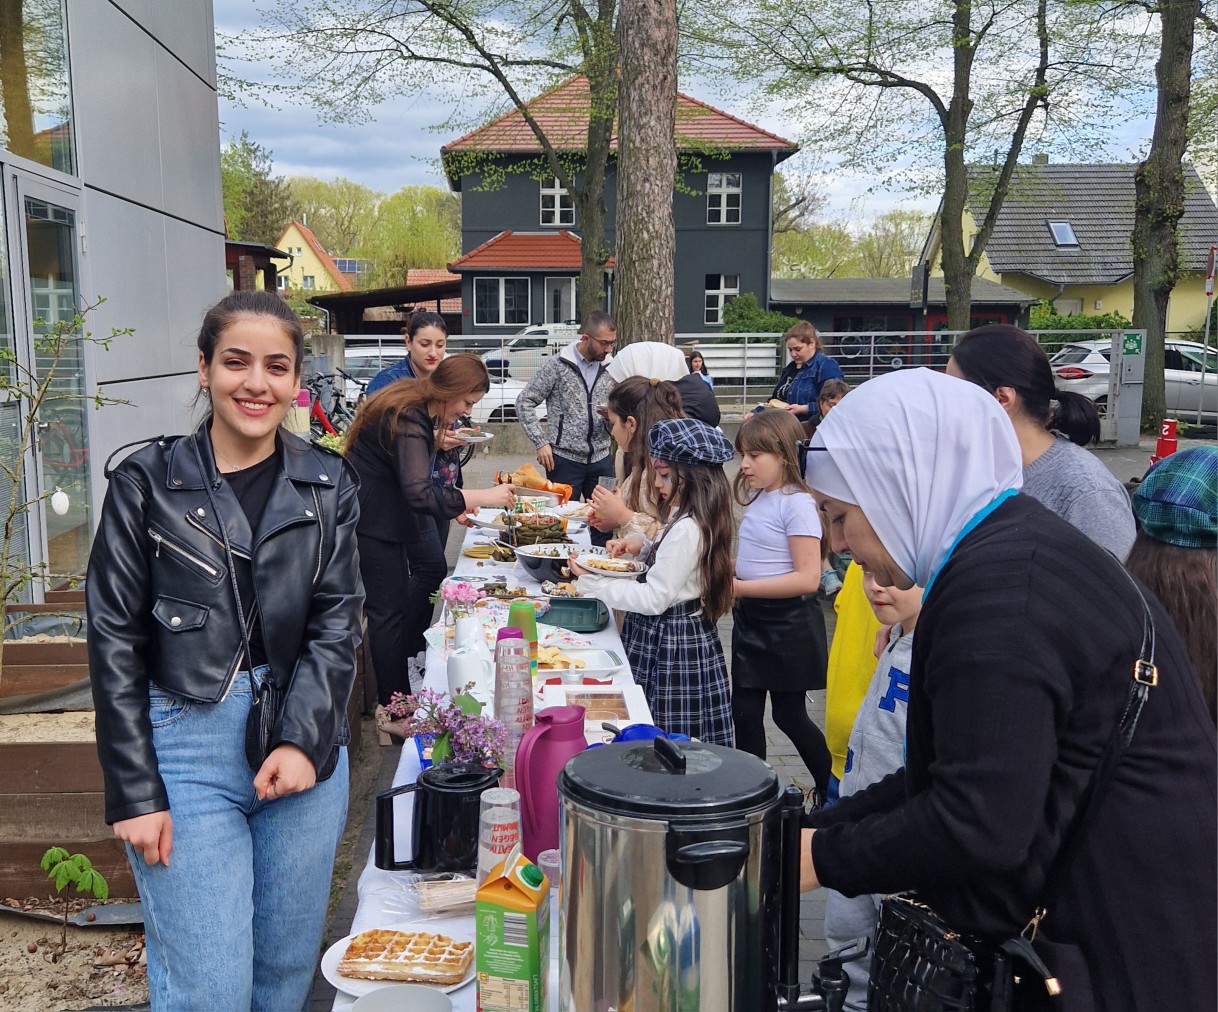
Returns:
<point x="720" y="188"/>
<point x="499" y="282"/>
<point x="556" y="202"/>
<point x="724" y="293"/>
<point x="308" y="282"/>
<point x="1063" y="233"/>
<point x="281" y="282"/>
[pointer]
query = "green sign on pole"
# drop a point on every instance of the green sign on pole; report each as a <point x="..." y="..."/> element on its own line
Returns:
<point x="1133" y="344"/>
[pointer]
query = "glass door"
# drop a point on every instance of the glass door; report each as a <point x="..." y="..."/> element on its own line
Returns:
<point x="50" y="362"/>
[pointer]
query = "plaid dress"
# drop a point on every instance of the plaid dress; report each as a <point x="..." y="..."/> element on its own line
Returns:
<point x="677" y="659"/>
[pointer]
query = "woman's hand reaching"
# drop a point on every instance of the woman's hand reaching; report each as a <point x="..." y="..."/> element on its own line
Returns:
<point x="497" y="496"/>
<point x="611" y="511"/>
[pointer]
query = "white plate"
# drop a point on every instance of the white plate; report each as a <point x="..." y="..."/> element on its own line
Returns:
<point x="487" y="518"/>
<point x="596" y="662"/>
<point x="476" y="437"/>
<point x="635" y="570"/>
<point x="358" y="986"/>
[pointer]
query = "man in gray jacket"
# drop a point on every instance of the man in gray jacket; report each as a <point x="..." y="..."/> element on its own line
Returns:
<point x="575" y="446"/>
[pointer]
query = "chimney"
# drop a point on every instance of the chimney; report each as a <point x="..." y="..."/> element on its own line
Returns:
<point x="1040" y="158"/>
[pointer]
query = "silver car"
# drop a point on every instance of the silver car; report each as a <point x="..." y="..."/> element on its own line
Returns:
<point x="1083" y="367"/>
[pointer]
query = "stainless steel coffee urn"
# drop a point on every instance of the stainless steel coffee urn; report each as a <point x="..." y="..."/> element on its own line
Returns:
<point x="679" y="892"/>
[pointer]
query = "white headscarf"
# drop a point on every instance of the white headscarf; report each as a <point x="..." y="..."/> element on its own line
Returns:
<point x="920" y="453"/>
<point x="651" y="359"/>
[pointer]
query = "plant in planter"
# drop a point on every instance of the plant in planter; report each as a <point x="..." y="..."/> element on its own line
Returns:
<point x="76" y="870"/>
<point x="46" y="408"/>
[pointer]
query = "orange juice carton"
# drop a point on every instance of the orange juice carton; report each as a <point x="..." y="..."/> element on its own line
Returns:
<point x="512" y="914"/>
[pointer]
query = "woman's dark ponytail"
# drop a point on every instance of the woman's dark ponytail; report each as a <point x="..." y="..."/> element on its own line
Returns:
<point x="1076" y="417"/>
<point x="999" y="355"/>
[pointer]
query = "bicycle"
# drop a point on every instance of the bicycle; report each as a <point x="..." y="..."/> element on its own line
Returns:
<point x="329" y="411"/>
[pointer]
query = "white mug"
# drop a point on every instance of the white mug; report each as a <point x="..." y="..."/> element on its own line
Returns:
<point x="465" y="665"/>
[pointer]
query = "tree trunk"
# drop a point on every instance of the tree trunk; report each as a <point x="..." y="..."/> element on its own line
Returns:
<point x="644" y="301"/>
<point x="958" y="267"/>
<point x="15" y="82"/>
<point x="1159" y="198"/>
<point x="589" y="199"/>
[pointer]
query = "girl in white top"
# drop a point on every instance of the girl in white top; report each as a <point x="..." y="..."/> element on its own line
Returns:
<point x="778" y="639"/>
<point x="669" y="632"/>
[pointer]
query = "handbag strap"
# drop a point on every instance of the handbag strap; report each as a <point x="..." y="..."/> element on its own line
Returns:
<point x="1145" y="677"/>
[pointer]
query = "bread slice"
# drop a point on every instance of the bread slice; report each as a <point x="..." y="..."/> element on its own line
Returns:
<point x="382" y="954"/>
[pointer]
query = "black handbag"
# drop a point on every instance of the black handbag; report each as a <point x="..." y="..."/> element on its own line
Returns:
<point x="919" y="964"/>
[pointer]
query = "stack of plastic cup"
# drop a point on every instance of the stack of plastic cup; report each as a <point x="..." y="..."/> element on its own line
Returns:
<point x="513" y="693"/>
<point x="522" y="616"/>
<point x="498" y="827"/>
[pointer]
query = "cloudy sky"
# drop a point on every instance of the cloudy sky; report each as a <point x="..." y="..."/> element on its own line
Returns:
<point x="399" y="145"/>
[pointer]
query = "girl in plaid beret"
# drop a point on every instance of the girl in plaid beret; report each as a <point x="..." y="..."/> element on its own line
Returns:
<point x="669" y="632"/>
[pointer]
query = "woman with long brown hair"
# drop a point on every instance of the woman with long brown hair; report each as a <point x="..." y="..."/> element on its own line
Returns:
<point x="1176" y="552"/>
<point x="402" y="445"/>
<point x="799" y="383"/>
<point x="669" y="633"/>
<point x="634" y="406"/>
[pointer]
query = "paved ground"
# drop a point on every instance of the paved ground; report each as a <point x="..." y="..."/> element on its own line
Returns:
<point x="1125" y="463"/>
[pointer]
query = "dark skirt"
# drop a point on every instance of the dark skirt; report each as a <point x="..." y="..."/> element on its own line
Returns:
<point x="677" y="659"/>
<point x="779" y="644"/>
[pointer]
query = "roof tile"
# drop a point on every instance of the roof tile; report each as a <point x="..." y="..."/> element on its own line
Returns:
<point x="525" y="251"/>
<point x="562" y="113"/>
<point x="1097" y="200"/>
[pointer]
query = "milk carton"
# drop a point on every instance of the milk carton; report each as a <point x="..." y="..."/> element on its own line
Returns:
<point x="512" y="914"/>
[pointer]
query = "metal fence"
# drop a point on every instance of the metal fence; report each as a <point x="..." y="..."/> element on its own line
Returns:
<point x="744" y="367"/>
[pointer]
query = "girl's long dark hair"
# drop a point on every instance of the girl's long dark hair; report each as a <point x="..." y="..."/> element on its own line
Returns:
<point x="1185" y="580"/>
<point x="999" y="355"/>
<point x="701" y="493"/>
<point x="647" y="401"/>
<point x="770" y="431"/>
<point x="456" y="377"/>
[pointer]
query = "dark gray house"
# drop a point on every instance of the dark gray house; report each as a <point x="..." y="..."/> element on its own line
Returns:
<point x="520" y="236"/>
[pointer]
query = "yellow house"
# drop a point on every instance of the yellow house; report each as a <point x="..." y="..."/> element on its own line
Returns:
<point x="1063" y="235"/>
<point x="312" y="268"/>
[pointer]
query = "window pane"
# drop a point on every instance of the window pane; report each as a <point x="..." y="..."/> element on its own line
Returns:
<point x="547" y="215"/>
<point x="731" y="282"/>
<point x="732" y="214"/>
<point x="35" y="100"/>
<point x="515" y="300"/>
<point x="712" y="282"/>
<point x="732" y="180"/>
<point x="486" y="300"/>
<point x="714" y="180"/>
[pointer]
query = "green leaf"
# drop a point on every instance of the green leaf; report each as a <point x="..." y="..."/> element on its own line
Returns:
<point x="62" y="877"/>
<point x="441" y="748"/>
<point x="468" y="704"/>
<point x="52" y="857"/>
<point x="82" y="862"/>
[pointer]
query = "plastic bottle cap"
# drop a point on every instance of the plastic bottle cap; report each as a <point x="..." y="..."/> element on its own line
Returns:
<point x="531" y="876"/>
<point x="509" y="632"/>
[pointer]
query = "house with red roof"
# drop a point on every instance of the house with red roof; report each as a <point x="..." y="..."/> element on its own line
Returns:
<point x="520" y="239"/>
<point x="312" y="268"/>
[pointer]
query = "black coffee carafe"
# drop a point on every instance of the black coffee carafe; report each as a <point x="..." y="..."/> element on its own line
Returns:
<point x="445" y="823"/>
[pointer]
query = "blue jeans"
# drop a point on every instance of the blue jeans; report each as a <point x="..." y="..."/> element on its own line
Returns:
<point x="235" y="921"/>
<point x="582" y="477"/>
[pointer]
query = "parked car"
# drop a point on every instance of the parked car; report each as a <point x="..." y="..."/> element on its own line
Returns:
<point x="1083" y="367"/>
<point x="520" y="356"/>
<point x="499" y="405"/>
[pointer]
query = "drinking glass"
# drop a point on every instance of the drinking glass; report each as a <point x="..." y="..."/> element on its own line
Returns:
<point x="609" y="484"/>
<point x="498" y="827"/>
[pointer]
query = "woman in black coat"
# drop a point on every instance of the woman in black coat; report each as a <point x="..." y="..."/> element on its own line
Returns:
<point x="404" y="450"/>
<point x="1022" y="661"/>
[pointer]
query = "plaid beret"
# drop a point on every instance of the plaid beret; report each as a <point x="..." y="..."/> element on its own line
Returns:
<point x="1177" y="501"/>
<point x="688" y="441"/>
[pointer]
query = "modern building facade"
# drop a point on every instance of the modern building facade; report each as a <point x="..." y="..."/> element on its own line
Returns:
<point x="109" y="149"/>
<point x="517" y="221"/>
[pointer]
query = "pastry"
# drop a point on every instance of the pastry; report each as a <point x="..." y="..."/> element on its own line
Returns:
<point x="406" y="955"/>
<point x="608" y="565"/>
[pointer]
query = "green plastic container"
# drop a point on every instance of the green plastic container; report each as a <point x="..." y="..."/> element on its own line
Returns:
<point x="579" y="614"/>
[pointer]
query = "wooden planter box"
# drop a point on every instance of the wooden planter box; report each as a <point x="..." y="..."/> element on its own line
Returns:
<point x="51" y="790"/>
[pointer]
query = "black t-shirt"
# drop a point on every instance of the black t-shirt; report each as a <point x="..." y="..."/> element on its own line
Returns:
<point x="252" y="487"/>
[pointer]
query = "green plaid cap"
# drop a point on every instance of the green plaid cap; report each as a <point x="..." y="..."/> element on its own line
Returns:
<point x="1177" y="501"/>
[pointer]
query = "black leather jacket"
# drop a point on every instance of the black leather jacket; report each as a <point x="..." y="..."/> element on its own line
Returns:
<point x="161" y="608"/>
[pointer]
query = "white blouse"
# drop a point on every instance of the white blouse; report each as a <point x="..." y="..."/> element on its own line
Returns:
<point x="672" y="578"/>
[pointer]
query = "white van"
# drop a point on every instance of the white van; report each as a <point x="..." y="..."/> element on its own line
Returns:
<point x="521" y="354"/>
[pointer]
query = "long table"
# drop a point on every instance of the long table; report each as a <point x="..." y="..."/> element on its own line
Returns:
<point x="386" y="898"/>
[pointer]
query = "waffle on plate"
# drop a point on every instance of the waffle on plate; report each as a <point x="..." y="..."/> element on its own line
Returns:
<point x="407" y="955"/>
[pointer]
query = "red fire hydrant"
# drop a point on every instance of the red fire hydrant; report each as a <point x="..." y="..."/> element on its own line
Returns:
<point x="1166" y="444"/>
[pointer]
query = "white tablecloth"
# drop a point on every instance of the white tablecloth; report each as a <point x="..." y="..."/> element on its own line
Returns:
<point x="385" y="898"/>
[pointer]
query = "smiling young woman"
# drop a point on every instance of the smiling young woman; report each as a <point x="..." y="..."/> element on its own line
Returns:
<point x="224" y="560"/>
